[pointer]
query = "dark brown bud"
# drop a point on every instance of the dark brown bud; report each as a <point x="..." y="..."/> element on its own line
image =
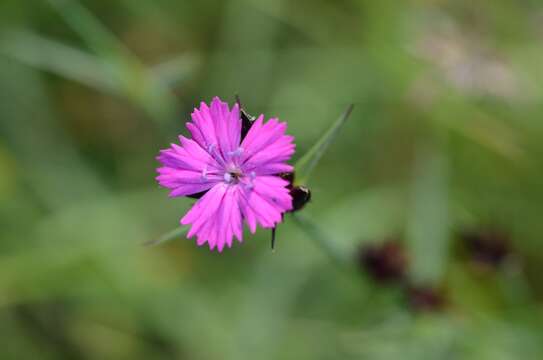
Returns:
<point x="386" y="262"/>
<point x="486" y="247"/>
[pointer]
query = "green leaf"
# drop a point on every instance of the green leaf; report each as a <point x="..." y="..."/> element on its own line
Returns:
<point x="50" y="55"/>
<point x="428" y="227"/>
<point x="97" y="36"/>
<point x="133" y="79"/>
<point x="175" y="70"/>
<point x="305" y="165"/>
<point x="172" y="235"/>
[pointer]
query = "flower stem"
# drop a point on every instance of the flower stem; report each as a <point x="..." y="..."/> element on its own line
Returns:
<point x="321" y="239"/>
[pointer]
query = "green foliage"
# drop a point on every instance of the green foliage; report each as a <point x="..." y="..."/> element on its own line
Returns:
<point x="305" y="165"/>
<point x="446" y="137"/>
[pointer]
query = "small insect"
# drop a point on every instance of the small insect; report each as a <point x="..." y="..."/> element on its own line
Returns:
<point x="301" y="195"/>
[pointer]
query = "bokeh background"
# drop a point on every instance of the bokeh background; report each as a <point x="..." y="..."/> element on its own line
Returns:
<point x="442" y="160"/>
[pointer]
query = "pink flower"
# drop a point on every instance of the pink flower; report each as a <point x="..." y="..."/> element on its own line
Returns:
<point x="238" y="176"/>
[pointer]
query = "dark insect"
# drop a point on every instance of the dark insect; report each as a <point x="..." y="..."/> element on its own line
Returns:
<point x="301" y="195"/>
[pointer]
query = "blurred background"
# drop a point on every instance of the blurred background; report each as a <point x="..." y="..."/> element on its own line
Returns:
<point x="423" y="238"/>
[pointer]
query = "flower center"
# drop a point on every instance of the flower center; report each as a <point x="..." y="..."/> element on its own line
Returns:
<point x="232" y="175"/>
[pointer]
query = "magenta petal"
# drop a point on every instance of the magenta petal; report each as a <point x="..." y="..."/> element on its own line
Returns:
<point x="216" y="217"/>
<point x="204" y="122"/>
<point x="235" y="127"/>
<point x="205" y="207"/>
<point x="266" y="202"/>
<point x="272" y="169"/>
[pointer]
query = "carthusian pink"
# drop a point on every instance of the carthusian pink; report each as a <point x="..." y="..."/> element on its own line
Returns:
<point x="237" y="176"/>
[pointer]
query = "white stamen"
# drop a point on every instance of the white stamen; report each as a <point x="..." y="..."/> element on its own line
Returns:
<point x="250" y="184"/>
<point x="236" y="152"/>
<point x="227" y="177"/>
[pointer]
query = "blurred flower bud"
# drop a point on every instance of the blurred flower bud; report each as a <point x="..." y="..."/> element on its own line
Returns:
<point x="486" y="247"/>
<point x="386" y="262"/>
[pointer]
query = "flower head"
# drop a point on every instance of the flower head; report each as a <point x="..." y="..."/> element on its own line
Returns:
<point x="238" y="175"/>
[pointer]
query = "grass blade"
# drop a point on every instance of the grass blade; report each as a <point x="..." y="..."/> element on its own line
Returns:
<point x="97" y="36"/>
<point x="428" y="227"/>
<point x="49" y="55"/>
<point x="172" y="235"/>
<point x="305" y="165"/>
<point x="134" y="80"/>
<point x="176" y="70"/>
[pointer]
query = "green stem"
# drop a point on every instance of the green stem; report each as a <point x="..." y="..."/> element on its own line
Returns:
<point x="174" y="234"/>
<point x="305" y="165"/>
<point x="321" y="239"/>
